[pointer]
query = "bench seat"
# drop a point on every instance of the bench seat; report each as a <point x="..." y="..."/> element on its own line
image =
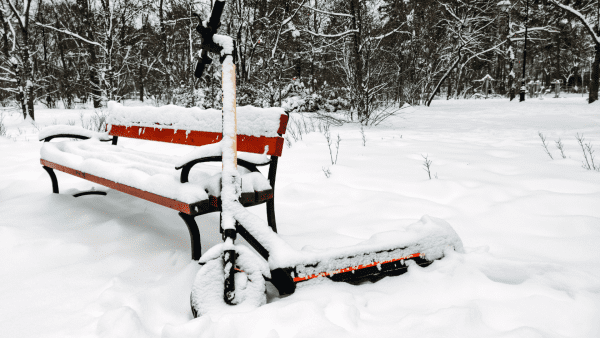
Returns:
<point x="150" y="176"/>
<point x="172" y="181"/>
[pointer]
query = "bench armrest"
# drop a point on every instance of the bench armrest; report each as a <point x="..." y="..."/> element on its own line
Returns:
<point x="215" y="150"/>
<point x="212" y="153"/>
<point x="62" y="131"/>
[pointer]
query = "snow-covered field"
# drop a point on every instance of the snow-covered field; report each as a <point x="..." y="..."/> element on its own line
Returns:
<point x="118" y="266"/>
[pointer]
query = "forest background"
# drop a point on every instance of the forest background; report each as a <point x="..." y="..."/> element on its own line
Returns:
<point x="363" y="57"/>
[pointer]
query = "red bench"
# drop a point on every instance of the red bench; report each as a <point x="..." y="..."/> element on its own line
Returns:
<point x="168" y="180"/>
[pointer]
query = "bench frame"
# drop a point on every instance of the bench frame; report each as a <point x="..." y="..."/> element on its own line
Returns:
<point x="187" y="212"/>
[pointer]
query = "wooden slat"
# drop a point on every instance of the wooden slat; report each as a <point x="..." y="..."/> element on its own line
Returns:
<point x="148" y="196"/>
<point x="253" y="144"/>
<point x="283" y="121"/>
<point x="209" y="205"/>
<point x="246" y="143"/>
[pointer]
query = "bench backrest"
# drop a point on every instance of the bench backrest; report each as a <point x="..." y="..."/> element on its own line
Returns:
<point x="258" y="129"/>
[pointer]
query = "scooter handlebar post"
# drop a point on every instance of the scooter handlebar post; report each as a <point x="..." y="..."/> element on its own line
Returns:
<point x="215" y="17"/>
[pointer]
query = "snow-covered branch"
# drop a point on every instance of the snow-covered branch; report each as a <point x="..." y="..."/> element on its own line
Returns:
<point x="75" y="35"/>
<point x="328" y="13"/>
<point x="283" y="23"/>
<point x="351" y="31"/>
<point x="382" y="36"/>
<point x="291" y="17"/>
<point x="7" y="70"/>
<point x="581" y="18"/>
<point x="533" y="29"/>
<point x="10" y="90"/>
<point x="20" y="19"/>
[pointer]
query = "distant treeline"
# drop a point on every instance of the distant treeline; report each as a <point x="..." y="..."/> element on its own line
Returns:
<point x="358" y="55"/>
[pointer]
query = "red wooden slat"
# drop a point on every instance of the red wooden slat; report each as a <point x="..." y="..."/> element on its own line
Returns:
<point x="148" y="196"/>
<point x="283" y="121"/>
<point x="246" y="143"/>
<point x="166" y="135"/>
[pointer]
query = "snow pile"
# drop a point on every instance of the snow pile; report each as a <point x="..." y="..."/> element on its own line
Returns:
<point x="72" y="130"/>
<point x="225" y="42"/>
<point x="119" y="266"/>
<point x="486" y="77"/>
<point x="207" y="290"/>
<point x="251" y="120"/>
<point x="146" y="171"/>
<point x="292" y="102"/>
<point x="431" y="237"/>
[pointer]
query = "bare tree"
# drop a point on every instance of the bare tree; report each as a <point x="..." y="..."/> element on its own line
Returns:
<point x="8" y="77"/>
<point x="585" y="12"/>
<point x="358" y="36"/>
<point x="21" y="57"/>
<point x="110" y="34"/>
<point x="468" y="26"/>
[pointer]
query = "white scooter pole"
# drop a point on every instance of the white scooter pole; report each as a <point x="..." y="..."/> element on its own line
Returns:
<point x="231" y="183"/>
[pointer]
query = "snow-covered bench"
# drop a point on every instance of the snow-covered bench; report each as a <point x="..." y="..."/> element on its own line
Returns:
<point x="165" y="179"/>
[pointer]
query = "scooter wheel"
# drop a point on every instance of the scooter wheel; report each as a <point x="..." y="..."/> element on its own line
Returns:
<point x="208" y="289"/>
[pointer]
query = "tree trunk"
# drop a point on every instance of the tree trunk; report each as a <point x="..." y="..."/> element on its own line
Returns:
<point x="595" y="76"/>
<point x="357" y="60"/>
<point x="141" y="83"/>
<point x="191" y="79"/>
<point x="163" y="37"/>
<point x="110" y="73"/>
<point x="5" y="36"/>
<point x="458" y="82"/>
<point x="511" y="70"/>
<point x="557" y="58"/>
<point x="45" y="48"/>
<point x="27" y="75"/>
<point x="20" y="89"/>
<point x="437" y="87"/>
<point x="511" y="80"/>
<point x="143" y="56"/>
<point x="449" y="94"/>
<point x="28" y="63"/>
<point x="89" y="33"/>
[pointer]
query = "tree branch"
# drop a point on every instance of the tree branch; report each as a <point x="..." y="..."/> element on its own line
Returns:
<point x="68" y="32"/>
<point x="581" y="18"/>
<point x="328" y="13"/>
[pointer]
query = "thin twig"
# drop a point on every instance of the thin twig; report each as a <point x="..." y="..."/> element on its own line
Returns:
<point x="427" y="165"/>
<point x="364" y="138"/>
<point x="581" y="139"/>
<point x="560" y="147"/>
<point x="544" y="144"/>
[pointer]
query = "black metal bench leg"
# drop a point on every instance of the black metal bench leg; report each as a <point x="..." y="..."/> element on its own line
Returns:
<point x="271" y="214"/>
<point x="50" y="172"/>
<point x="91" y="192"/>
<point x="194" y="235"/>
<point x="271" y="202"/>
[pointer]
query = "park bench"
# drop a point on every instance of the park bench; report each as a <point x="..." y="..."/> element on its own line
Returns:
<point x="168" y="180"/>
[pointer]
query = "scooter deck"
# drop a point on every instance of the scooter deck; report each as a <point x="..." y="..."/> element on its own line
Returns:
<point x="286" y="279"/>
<point x="381" y="264"/>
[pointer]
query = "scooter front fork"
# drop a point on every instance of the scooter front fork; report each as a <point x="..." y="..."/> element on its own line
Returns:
<point x="229" y="236"/>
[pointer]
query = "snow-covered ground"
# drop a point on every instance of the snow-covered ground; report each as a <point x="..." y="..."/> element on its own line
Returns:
<point x="118" y="266"/>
